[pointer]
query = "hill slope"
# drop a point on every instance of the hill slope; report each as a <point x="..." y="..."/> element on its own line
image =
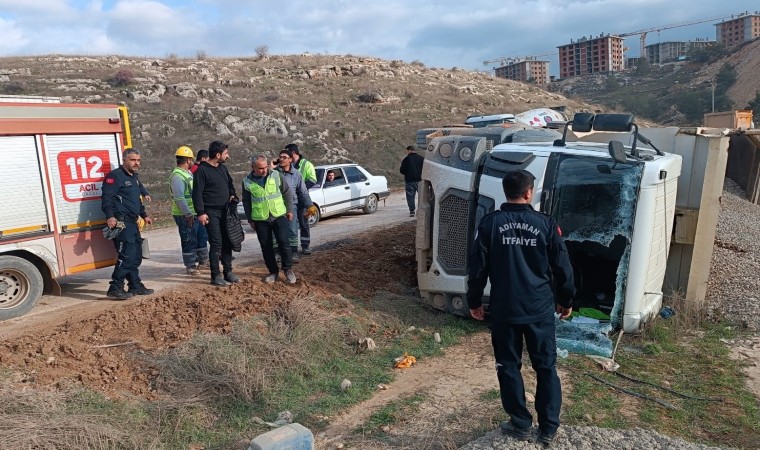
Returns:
<point x="339" y="107"/>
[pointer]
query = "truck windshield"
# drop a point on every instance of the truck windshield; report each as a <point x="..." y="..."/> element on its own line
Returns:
<point x="595" y="206"/>
<point x="589" y="204"/>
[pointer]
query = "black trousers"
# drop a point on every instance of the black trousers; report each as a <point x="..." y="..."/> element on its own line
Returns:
<point x="219" y="242"/>
<point x="539" y="338"/>
<point x="279" y="228"/>
<point x="129" y="250"/>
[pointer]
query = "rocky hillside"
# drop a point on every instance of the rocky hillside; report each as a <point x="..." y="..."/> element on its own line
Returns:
<point x="673" y="94"/>
<point x="339" y="108"/>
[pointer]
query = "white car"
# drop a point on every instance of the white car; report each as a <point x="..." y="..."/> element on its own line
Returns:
<point x="352" y="188"/>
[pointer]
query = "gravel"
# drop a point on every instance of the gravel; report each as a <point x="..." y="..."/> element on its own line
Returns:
<point x="733" y="291"/>
<point x="591" y="438"/>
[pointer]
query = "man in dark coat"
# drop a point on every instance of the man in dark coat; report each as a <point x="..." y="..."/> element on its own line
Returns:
<point x="123" y="206"/>
<point x="411" y="168"/>
<point x="522" y="252"/>
<point x="213" y="192"/>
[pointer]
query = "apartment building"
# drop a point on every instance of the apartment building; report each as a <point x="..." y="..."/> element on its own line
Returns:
<point x="527" y="70"/>
<point x="665" y="52"/>
<point x="600" y="54"/>
<point x="745" y="27"/>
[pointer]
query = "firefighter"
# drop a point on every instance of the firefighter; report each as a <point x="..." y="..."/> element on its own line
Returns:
<point x="123" y="208"/>
<point x="522" y="252"/>
<point x="192" y="234"/>
<point x="310" y="178"/>
<point x="268" y="206"/>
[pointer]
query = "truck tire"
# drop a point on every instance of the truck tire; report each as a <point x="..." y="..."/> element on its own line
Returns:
<point x="371" y="206"/>
<point x="20" y="286"/>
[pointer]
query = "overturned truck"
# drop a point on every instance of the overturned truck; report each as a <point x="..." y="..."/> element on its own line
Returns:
<point x="612" y="190"/>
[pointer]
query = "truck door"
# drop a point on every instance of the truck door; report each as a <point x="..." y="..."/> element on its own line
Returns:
<point x="25" y="209"/>
<point x="594" y="204"/>
<point x="78" y="165"/>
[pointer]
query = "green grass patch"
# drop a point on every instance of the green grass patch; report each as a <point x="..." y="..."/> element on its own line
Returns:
<point x="394" y="412"/>
<point x="692" y="363"/>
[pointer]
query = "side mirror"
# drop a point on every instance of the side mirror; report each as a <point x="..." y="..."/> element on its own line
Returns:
<point x="617" y="152"/>
<point x="583" y="122"/>
<point x="613" y="122"/>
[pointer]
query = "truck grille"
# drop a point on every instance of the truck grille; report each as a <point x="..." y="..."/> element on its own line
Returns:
<point x="453" y="233"/>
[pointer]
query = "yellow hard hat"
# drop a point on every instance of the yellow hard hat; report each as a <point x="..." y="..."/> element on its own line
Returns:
<point x="185" y="151"/>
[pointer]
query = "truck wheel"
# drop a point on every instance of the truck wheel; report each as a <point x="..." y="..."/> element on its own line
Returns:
<point x="315" y="218"/>
<point x="20" y="286"/>
<point x="371" y="206"/>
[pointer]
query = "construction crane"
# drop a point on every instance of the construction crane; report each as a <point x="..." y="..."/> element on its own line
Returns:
<point x="643" y="33"/>
<point x="504" y="60"/>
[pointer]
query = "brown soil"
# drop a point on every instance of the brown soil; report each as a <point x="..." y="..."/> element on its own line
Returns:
<point x="93" y="345"/>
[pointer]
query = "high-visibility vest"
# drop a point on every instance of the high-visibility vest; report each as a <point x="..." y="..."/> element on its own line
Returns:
<point x="267" y="200"/>
<point x="307" y="170"/>
<point x="187" y="178"/>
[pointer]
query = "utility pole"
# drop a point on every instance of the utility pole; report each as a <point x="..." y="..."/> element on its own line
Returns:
<point x="712" y="91"/>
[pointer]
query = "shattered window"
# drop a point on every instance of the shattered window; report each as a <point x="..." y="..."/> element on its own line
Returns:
<point x="594" y="204"/>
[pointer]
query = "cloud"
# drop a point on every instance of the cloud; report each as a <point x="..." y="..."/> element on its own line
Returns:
<point x="153" y="28"/>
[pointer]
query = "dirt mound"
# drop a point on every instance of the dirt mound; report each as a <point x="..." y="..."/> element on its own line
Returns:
<point x="99" y="351"/>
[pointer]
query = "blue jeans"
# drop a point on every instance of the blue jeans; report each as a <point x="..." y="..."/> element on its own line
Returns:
<point x="303" y="224"/>
<point x="194" y="241"/>
<point x="411" y="194"/>
<point x="540" y="340"/>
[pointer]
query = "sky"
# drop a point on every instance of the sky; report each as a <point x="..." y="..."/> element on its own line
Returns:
<point x="440" y="33"/>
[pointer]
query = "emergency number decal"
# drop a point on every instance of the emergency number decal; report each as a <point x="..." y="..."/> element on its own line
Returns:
<point x="82" y="174"/>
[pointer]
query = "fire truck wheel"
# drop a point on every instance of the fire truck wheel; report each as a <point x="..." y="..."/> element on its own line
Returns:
<point x="20" y="286"/>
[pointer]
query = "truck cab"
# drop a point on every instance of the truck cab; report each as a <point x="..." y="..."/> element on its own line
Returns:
<point x="614" y="203"/>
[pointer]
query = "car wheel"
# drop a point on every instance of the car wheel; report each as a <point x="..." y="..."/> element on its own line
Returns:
<point x="20" y="286"/>
<point x="371" y="206"/>
<point x="313" y="220"/>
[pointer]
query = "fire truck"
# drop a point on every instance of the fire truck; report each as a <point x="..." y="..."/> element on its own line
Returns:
<point x="54" y="158"/>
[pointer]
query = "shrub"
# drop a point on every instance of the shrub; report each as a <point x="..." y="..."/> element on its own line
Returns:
<point x="123" y="77"/>
<point x="262" y="52"/>
<point x="15" y="87"/>
<point x="201" y="55"/>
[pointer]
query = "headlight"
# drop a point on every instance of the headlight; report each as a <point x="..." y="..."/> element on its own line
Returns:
<point x="445" y="150"/>
<point x="465" y="154"/>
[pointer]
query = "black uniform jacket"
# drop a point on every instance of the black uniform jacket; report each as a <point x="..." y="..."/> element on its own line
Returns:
<point x="121" y="195"/>
<point x="522" y="252"/>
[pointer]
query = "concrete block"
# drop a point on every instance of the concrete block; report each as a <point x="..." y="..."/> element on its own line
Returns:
<point x="288" y="437"/>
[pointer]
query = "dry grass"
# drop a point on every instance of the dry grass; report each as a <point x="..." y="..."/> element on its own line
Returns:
<point x="252" y="358"/>
<point x="44" y="420"/>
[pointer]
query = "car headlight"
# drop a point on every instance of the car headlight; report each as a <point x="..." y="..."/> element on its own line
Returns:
<point x="465" y="154"/>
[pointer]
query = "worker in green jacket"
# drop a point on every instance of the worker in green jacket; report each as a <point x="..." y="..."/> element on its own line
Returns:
<point x="306" y="168"/>
<point x="192" y="234"/>
<point x="267" y="203"/>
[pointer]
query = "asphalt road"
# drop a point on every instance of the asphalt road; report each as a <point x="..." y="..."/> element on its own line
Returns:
<point x="85" y="293"/>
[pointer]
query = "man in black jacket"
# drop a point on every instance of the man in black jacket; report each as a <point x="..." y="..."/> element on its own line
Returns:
<point x="522" y="252"/>
<point x="411" y="168"/>
<point x="213" y="191"/>
<point x="121" y="202"/>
